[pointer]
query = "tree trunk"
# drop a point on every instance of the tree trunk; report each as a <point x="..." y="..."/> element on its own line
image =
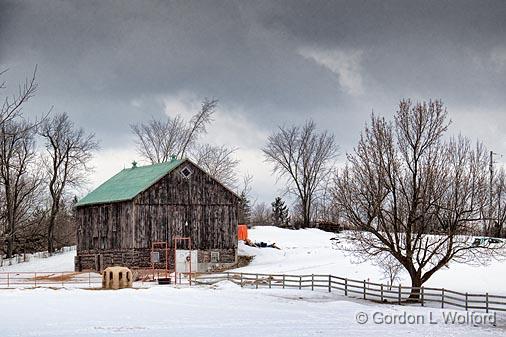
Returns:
<point x="416" y="284"/>
<point x="50" y="234"/>
<point x="10" y="246"/>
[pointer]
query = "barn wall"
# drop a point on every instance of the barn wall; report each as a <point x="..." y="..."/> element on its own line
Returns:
<point x="209" y="209"/>
<point x="101" y="227"/>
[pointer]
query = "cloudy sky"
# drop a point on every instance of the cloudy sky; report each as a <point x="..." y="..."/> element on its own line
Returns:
<point x="113" y="63"/>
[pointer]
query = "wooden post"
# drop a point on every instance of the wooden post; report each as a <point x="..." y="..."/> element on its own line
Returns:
<point x="442" y="298"/>
<point x="400" y="293"/>
<point x="422" y="296"/>
<point x="364" y="290"/>
<point x="486" y="303"/>
<point x="466" y="301"/>
<point x="270" y="278"/>
<point x="35" y="279"/>
<point x="256" y="282"/>
<point x="300" y="282"/>
<point x="283" y="281"/>
<point x="381" y="288"/>
<point x="312" y="281"/>
<point x="89" y="279"/>
<point x="228" y="276"/>
<point x="345" y="287"/>
<point x="330" y="283"/>
<point x="241" y="281"/>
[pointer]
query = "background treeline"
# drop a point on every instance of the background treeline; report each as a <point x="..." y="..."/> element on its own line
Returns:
<point x="43" y="161"/>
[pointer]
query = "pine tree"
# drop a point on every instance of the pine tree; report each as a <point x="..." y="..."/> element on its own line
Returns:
<point x="279" y="212"/>
<point x="244" y="209"/>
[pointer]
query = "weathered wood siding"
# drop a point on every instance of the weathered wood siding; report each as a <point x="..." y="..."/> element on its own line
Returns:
<point x="209" y="209"/>
<point x="102" y="227"/>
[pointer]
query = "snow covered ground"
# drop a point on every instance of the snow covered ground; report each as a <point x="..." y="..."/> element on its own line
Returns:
<point x="310" y="251"/>
<point x="225" y="309"/>
<point x="221" y="310"/>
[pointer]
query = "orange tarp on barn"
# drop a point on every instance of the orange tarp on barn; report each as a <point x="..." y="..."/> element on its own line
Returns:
<point x="242" y="232"/>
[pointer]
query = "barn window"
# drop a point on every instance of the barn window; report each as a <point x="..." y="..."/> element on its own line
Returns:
<point x="215" y="257"/>
<point x="186" y="172"/>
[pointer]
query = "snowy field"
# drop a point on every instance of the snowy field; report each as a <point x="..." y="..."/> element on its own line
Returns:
<point x="310" y="251"/>
<point x="222" y="310"/>
<point x="228" y="310"/>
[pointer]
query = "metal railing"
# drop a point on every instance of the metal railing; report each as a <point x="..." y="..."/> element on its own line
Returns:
<point x="397" y="294"/>
<point x="50" y="279"/>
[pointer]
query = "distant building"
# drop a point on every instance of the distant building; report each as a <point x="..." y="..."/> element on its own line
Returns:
<point x="118" y="222"/>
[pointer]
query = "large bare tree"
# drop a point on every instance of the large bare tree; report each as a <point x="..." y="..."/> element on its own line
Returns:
<point x="18" y="180"/>
<point x="158" y="140"/>
<point x="218" y="161"/>
<point x="16" y="155"/>
<point x="69" y="150"/>
<point x="303" y="156"/>
<point x="410" y="192"/>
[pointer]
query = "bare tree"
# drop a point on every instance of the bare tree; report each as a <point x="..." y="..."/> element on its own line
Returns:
<point x="16" y="155"/>
<point x="68" y="152"/>
<point x="408" y="192"/>
<point x="261" y="214"/>
<point x="18" y="182"/>
<point x="390" y="267"/>
<point x="12" y="105"/>
<point x="244" y="207"/>
<point x="303" y="156"/>
<point x="158" y="140"/>
<point x="500" y="203"/>
<point x="218" y="161"/>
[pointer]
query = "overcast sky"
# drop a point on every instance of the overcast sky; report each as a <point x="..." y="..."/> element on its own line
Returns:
<point x="113" y="63"/>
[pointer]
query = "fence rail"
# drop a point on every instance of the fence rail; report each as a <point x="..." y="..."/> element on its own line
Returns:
<point x="50" y="279"/>
<point x="366" y="290"/>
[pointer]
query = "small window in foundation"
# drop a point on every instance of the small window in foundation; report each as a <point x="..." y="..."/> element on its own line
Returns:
<point x="215" y="257"/>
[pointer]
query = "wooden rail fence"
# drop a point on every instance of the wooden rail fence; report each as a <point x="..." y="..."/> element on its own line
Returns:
<point x="377" y="292"/>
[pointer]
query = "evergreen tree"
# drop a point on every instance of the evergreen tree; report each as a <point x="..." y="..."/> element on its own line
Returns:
<point x="244" y="209"/>
<point x="279" y="212"/>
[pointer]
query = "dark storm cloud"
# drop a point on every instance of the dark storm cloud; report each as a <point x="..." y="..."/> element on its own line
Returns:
<point x="111" y="63"/>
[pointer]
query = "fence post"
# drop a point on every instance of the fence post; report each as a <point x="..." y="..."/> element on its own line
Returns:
<point x="283" y="281"/>
<point x="270" y="279"/>
<point x="256" y="282"/>
<point x="486" y="303"/>
<point x="345" y="287"/>
<point x="241" y="281"/>
<point x="312" y="282"/>
<point x="62" y="280"/>
<point x="228" y="276"/>
<point x="330" y="283"/>
<point x="400" y="293"/>
<point x="364" y="290"/>
<point x="422" y="296"/>
<point x="442" y="298"/>
<point x="35" y="279"/>
<point x="381" y="289"/>
<point x="300" y="282"/>
<point x="466" y="301"/>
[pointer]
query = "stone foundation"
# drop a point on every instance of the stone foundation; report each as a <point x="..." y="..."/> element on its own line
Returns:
<point x="141" y="259"/>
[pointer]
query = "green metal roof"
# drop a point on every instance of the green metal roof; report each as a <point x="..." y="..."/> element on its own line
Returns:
<point x="128" y="183"/>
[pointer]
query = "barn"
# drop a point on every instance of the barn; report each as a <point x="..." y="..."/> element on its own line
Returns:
<point x="135" y="218"/>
